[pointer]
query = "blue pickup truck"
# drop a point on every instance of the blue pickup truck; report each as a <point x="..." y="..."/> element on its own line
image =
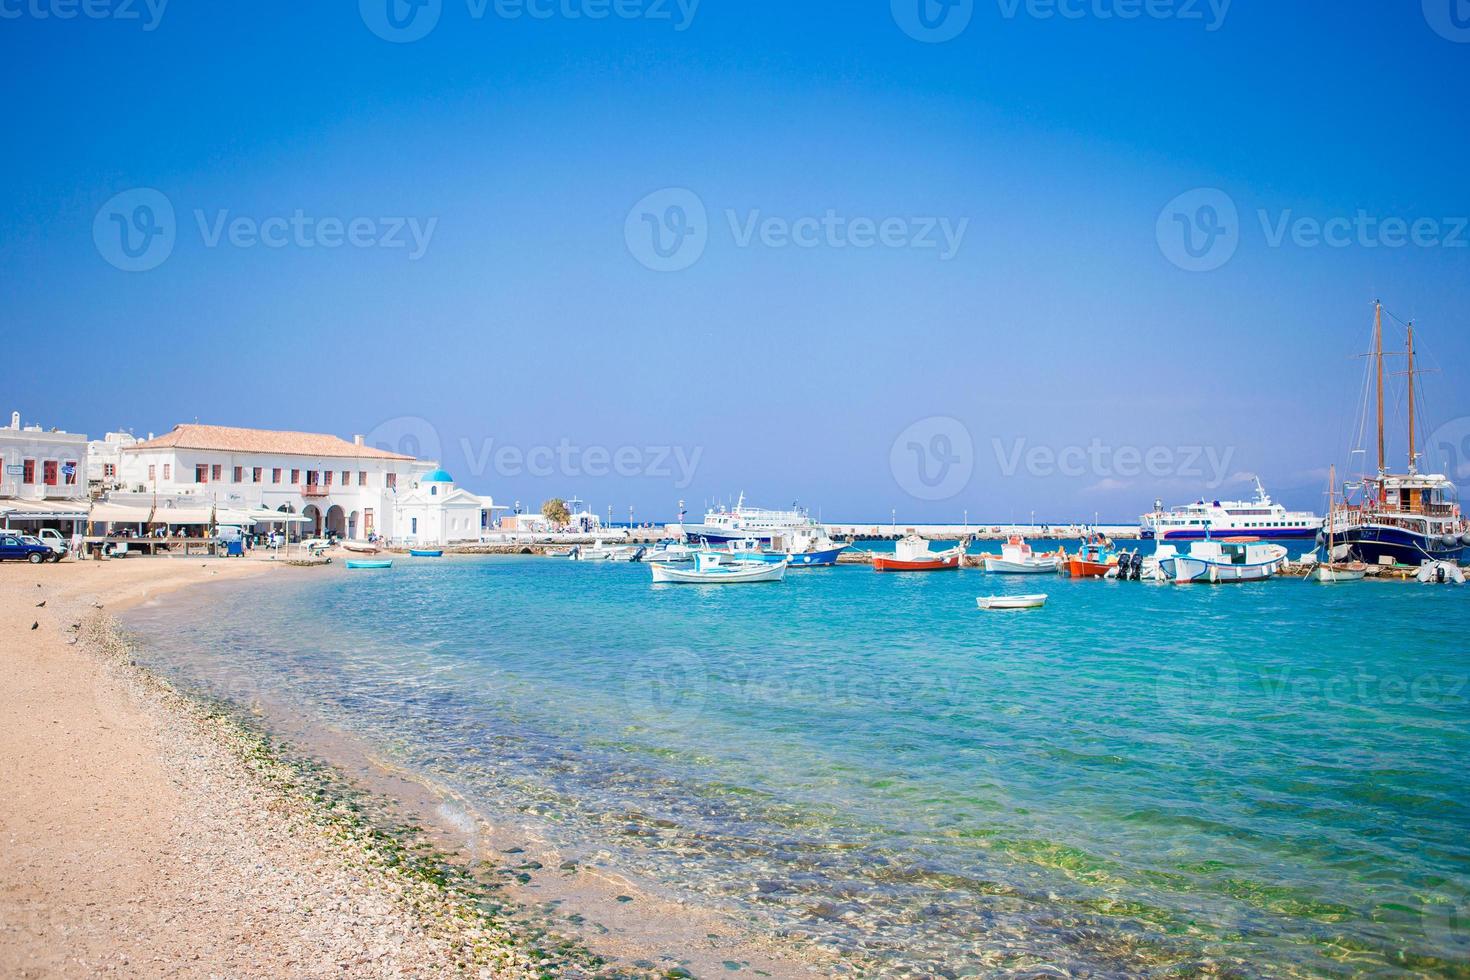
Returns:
<point x="23" y="547"/>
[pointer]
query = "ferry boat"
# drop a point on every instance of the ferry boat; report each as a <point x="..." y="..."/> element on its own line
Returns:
<point x="1403" y="518"/>
<point x="747" y="523"/>
<point x="1259" y="518"/>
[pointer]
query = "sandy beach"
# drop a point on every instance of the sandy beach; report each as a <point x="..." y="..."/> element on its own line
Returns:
<point x="147" y="835"/>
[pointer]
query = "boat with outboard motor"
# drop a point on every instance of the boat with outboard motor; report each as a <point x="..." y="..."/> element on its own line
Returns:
<point x="714" y="569"/>
<point x="1017" y="558"/>
<point x="1094" y="559"/>
<point x="912" y="554"/>
<point x="799" y="549"/>
<point x="1230" y="560"/>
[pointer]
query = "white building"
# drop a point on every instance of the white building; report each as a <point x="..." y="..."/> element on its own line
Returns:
<point x="436" y="512"/>
<point x="104" y="460"/>
<point x="43" y="482"/>
<point x="348" y="488"/>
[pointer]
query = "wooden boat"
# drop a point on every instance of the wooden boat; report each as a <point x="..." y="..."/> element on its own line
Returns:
<point x="1017" y="558"/>
<point x="1231" y="560"/>
<point x="912" y="554"/>
<point x="369" y="563"/>
<point x="361" y="547"/>
<point x="1094" y="559"/>
<point x="1330" y="570"/>
<point x="713" y="569"/>
<point x="999" y="602"/>
<point x="426" y="552"/>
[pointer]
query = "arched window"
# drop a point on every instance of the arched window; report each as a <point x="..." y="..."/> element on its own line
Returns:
<point x="433" y="491"/>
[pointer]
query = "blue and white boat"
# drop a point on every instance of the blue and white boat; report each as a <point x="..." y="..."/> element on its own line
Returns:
<point x="1259" y="518"/>
<point x="802" y="549"/>
<point x="1214" y="562"/>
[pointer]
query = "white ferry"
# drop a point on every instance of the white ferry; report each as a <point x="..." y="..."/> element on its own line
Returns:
<point x="746" y="524"/>
<point x="1260" y="518"/>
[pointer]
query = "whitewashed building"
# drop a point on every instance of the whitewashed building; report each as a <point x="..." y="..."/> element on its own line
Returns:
<point x="104" y="461"/>
<point x="341" y="486"/>
<point x="436" y="512"/>
<point x="43" y="481"/>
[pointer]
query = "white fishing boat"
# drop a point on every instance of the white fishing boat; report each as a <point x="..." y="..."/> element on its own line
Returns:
<point x="713" y="569"/>
<point x="670" y="554"/>
<point x="998" y="602"/>
<point x="1354" y="571"/>
<point x="597" y="551"/>
<point x="1233" y="560"/>
<point x="628" y="552"/>
<point x="1017" y="558"/>
<point x="360" y="547"/>
<point x="1334" y="570"/>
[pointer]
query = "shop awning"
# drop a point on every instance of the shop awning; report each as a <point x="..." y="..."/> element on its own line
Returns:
<point x="127" y="514"/>
<point x="43" y="510"/>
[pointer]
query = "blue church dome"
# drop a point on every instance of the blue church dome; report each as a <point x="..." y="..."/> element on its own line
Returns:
<point x="436" y="476"/>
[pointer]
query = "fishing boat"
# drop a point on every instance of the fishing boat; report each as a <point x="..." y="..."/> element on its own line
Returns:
<point x="426" y="552"/>
<point x="1330" y="570"/>
<point x="742" y="523"/>
<point x="1231" y="560"/>
<point x="1403" y="518"/>
<point x="670" y="553"/>
<point x="1094" y="559"/>
<point x="714" y="569"/>
<point x="359" y="563"/>
<point x="1017" y="558"/>
<point x="1259" y="518"/>
<point x="361" y="547"/>
<point x="1011" y="601"/>
<point x="596" y="551"/>
<point x="800" y="549"/>
<point x="912" y="554"/>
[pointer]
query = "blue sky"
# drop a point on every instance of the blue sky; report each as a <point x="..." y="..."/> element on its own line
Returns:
<point x="1059" y="352"/>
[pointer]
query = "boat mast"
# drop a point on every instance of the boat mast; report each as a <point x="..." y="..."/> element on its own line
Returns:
<point x="1378" y="363"/>
<point x="1413" y="455"/>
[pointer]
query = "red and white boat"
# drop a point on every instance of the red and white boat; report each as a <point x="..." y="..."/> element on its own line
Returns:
<point x="1094" y="559"/>
<point x="912" y="554"/>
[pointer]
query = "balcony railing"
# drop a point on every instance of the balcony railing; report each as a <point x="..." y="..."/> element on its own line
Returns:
<point x="314" y="490"/>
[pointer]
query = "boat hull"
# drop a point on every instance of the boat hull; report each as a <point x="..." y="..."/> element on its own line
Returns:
<point x="810" y="559"/>
<point x="1004" y="602"/>
<point x="425" y="553"/>
<point x="1185" y="570"/>
<point x="1082" y="568"/>
<point x="351" y="563"/>
<point x="1038" y="566"/>
<point x="1373" y="543"/>
<point x="946" y="564"/>
<point x="1264" y="533"/>
<point x="1338" y="573"/>
<point x="674" y="575"/>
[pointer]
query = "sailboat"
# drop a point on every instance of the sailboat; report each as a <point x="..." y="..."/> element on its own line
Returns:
<point x="1404" y="519"/>
<point x="1332" y="570"/>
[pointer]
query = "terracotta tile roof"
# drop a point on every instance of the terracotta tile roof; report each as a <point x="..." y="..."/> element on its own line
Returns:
<point x="224" y="438"/>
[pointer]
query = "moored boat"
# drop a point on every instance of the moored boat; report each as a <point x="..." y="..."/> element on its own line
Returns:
<point x="359" y="563"/>
<point x="1017" y="558"/>
<point x="1095" y="559"/>
<point x="1259" y="518"/>
<point x="360" y="547"/>
<point x="426" y="552"/>
<point x="912" y="554"/>
<point x="713" y="569"/>
<point x="999" y="602"/>
<point x="799" y="549"/>
<point x="1233" y="560"/>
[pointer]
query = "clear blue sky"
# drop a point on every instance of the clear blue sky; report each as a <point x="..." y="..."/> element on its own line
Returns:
<point x="787" y="372"/>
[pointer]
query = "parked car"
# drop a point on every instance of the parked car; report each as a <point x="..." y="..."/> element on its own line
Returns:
<point x="23" y="547"/>
<point x="52" y="539"/>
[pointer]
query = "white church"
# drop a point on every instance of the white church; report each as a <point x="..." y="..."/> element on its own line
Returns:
<point x="437" y="512"/>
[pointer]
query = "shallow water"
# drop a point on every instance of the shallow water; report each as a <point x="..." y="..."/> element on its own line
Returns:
<point x="1263" y="779"/>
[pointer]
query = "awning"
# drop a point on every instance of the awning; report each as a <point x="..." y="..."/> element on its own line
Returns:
<point x="127" y="514"/>
<point x="43" y="510"/>
<point x="258" y="515"/>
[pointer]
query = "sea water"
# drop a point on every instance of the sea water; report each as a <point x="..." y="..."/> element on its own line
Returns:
<point x="1259" y="779"/>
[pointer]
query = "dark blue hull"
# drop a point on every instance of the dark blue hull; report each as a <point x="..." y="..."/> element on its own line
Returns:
<point x="1264" y="533"/>
<point x="1372" y="543"/>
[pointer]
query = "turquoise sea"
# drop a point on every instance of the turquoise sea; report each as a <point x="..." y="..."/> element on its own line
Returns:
<point x="1260" y="780"/>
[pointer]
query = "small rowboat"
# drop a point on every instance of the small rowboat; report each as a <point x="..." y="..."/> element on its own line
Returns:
<point x="713" y="569"/>
<point x="912" y="554"/>
<point x="370" y="563"/>
<point x="425" y="553"/>
<point x="1011" y="601"/>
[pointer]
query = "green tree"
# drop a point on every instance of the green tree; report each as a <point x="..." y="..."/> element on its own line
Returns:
<point x="555" y="511"/>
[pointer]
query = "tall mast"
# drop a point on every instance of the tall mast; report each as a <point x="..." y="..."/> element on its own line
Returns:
<point x="1378" y="363"/>
<point x="1413" y="455"/>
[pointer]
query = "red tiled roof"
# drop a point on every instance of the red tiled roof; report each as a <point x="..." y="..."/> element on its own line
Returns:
<point x="224" y="438"/>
